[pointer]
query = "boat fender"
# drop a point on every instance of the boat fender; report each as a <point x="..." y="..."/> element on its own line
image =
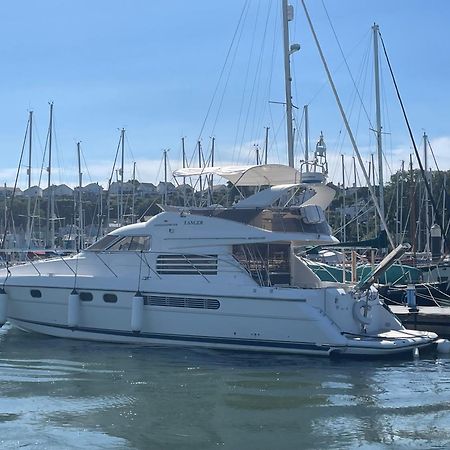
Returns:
<point x="3" y="306"/>
<point x="137" y="312"/>
<point x="358" y="314"/>
<point x="443" y="346"/>
<point x="73" y="309"/>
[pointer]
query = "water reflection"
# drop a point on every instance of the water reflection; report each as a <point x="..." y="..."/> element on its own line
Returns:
<point x="75" y="394"/>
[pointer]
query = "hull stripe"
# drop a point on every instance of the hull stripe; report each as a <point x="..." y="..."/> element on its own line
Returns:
<point x="187" y="338"/>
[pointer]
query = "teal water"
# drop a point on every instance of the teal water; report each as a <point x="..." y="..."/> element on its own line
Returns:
<point x="65" y="394"/>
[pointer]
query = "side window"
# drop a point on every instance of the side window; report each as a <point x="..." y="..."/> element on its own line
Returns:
<point x="104" y="243"/>
<point x="86" y="296"/>
<point x="119" y="245"/>
<point x="140" y="243"/>
<point x="131" y="243"/>
<point x="110" y="298"/>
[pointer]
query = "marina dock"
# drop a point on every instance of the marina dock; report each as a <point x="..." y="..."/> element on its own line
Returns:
<point x="426" y="318"/>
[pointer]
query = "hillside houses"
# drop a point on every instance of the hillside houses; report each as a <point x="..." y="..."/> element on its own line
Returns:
<point x="33" y="192"/>
<point x="146" y="189"/>
<point x="61" y="190"/>
<point x="117" y="188"/>
<point x="165" y="188"/>
<point x="8" y="191"/>
<point x="91" y="190"/>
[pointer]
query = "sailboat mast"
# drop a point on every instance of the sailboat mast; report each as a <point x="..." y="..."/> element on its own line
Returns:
<point x="375" y="29"/>
<point x="344" y="237"/>
<point x="427" y="215"/>
<point x="165" y="177"/>
<point x="30" y="140"/>
<point x="200" y="166"/>
<point x="50" y="198"/>
<point x="211" y="177"/>
<point x="401" y="203"/>
<point x="356" y="198"/>
<point x="287" y="16"/>
<point x="183" y="149"/>
<point x="80" y="204"/>
<point x="134" y="192"/>
<point x="412" y="199"/>
<point x="266" y="145"/>
<point x="5" y="217"/>
<point x="305" y="108"/>
<point x="50" y="126"/>
<point x="444" y="194"/>
<point x="122" y="139"/>
<point x="397" y="209"/>
<point x="374" y="184"/>
<point x="347" y="125"/>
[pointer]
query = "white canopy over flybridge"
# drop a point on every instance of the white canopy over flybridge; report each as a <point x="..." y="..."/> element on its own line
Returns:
<point x="261" y="175"/>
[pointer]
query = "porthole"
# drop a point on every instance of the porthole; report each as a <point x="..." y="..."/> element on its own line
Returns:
<point x="36" y="293"/>
<point x="86" y="296"/>
<point x="110" y="298"/>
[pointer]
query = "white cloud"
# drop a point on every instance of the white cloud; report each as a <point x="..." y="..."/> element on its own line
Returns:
<point x="441" y="150"/>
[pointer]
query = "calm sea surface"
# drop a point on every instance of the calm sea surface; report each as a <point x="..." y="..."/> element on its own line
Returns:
<point x="65" y="394"/>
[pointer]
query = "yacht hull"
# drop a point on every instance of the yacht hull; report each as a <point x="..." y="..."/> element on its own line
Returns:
<point x="125" y="337"/>
<point x="280" y="327"/>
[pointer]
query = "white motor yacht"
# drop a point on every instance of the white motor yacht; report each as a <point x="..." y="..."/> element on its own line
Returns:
<point x="225" y="278"/>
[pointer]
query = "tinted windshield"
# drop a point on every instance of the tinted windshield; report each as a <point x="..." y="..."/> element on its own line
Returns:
<point x="131" y="243"/>
<point x="114" y="243"/>
<point x="103" y="243"/>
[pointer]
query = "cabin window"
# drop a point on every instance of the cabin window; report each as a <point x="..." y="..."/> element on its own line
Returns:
<point x="181" y="302"/>
<point x="104" y="243"/>
<point x="186" y="264"/>
<point x="268" y="264"/>
<point x="110" y="298"/>
<point x="115" y="243"/>
<point x="131" y="244"/>
<point x="36" y="293"/>
<point x="86" y="296"/>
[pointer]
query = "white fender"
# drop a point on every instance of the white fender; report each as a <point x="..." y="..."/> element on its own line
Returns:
<point x="3" y="306"/>
<point x="73" y="310"/>
<point x="358" y="313"/>
<point x="137" y="312"/>
<point x="443" y="346"/>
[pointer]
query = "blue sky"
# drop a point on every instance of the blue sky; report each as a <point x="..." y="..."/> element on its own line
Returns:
<point x="152" y="67"/>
